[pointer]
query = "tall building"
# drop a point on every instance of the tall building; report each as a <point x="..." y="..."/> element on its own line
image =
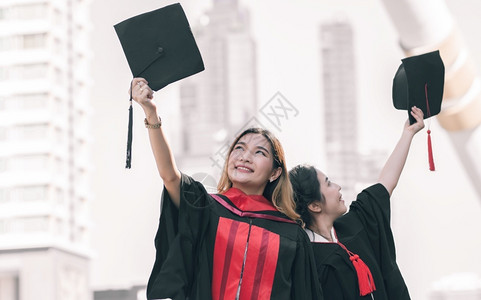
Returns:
<point x="340" y="105"/>
<point x="44" y="137"/>
<point x="217" y="103"/>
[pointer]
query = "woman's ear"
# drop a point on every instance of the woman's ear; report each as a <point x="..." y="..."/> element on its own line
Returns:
<point x="315" y="207"/>
<point x="275" y="174"/>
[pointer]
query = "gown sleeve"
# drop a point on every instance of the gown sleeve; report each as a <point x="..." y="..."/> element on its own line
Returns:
<point x="304" y="275"/>
<point x="176" y="241"/>
<point x="373" y="208"/>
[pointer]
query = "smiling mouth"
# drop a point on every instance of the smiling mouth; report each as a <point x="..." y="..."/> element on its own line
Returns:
<point x="244" y="169"/>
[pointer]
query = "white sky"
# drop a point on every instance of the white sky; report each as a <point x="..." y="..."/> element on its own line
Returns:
<point x="429" y="209"/>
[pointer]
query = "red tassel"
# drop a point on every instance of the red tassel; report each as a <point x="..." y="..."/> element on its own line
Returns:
<point x="430" y="147"/>
<point x="364" y="275"/>
<point x="430" y="153"/>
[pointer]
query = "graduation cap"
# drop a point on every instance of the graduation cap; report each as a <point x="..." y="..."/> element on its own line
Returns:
<point x="419" y="81"/>
<point x="160" y="47"/>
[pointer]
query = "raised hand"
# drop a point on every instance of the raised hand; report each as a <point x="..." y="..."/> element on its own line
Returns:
<point x="142" y="93"/>
<point x="416" y="127"/>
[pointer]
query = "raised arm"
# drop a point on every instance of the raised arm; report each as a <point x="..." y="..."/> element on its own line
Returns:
<point x="391" y="171"/>
<point x="164" y="158"/>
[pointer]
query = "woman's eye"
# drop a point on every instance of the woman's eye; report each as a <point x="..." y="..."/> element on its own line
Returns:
<point x="261" y="152"/>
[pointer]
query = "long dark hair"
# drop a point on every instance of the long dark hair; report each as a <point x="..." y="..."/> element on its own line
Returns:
<point x="279" y="191"/>
<point x="307" y="190"/>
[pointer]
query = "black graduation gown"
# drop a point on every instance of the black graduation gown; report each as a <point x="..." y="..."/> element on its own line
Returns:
<point x="364" y="230"/>
<point x="206" y="247"/>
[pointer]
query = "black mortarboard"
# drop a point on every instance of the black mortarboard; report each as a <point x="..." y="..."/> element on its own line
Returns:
<point x="419" y="81"/>
<point x="160" y="47"/>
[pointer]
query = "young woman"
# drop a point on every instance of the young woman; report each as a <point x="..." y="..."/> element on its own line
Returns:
<point x="355" y="253"/>
<point x="243" y="243"/>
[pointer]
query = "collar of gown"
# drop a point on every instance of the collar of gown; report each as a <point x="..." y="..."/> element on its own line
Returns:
<point x="248" y="202"/>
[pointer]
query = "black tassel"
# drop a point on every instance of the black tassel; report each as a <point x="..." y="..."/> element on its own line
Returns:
<point x="129" y="133"/>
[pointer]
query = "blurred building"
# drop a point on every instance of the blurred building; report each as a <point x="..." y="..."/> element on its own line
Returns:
<point x="346" y="166"/>
<point x="370" y="166"/>
<point x="217" y="103"/>
<point x="340" y="105"/>
<point x="44" y="136"/>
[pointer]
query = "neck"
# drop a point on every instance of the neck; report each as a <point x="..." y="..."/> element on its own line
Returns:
<point x="322" y="227"/>
<point x="249" y="190"/>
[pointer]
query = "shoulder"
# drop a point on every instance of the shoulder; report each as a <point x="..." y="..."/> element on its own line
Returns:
<point x="374" y="196"/>
<point x="325" y="253"/>
<point x="372" y="205"/>
<point x="377" y="191"/>
<point x="188" y="182"/>
<point x="193" y="192"/>
<point x="292" y="231"/>
<point x="186" y="179"/>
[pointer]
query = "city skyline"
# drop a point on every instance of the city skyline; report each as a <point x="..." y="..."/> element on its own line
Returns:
<point x="124" y="204"/>
<point x="288" y="62"/>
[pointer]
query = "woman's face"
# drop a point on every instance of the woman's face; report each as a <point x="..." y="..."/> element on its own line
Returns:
<point x="333" y="205"/>
<point x="250" y="164"/>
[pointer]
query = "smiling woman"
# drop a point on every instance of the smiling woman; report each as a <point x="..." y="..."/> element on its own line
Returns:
<point x="242" y="243"/>
<point x="254" y="156"/>
<point x="355" y="252"/>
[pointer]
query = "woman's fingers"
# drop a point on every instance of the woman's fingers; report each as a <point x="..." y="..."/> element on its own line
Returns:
<point x="417" y="113"/>
<point x="139" y="81"/>
<point x="141" y="89"/>
<point x="142" y="86"/>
